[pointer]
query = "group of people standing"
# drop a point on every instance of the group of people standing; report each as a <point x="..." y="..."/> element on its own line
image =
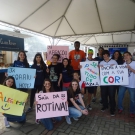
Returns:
<point x="65" y="76"/>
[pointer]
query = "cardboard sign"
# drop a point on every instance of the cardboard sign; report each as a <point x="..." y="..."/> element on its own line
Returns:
<point x="12" y="101"/>
<point x="24" y="77"/>
<point x="90" y="73"/>
<point x="114" y="75"/>
<point x="51" y="104"/>
<point x="63" y="51"/>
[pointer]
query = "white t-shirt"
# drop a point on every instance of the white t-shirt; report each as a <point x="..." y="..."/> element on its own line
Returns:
<point x="111" y="61"/>
<point x="131" y="75"/>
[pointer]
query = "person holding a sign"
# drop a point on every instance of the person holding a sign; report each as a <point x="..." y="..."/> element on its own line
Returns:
<point x="92" y="88"/>
<point x="108" y="90"/>
<point x="118" y="57"/>
<point x="99" y="58"/>
<point x="67" y="73"/>
<point x="21" y="62"/>
<point x="131" y="87"/>
<point x="76" y="56"/>
<point x="41" y="74"/>
<point x="75" y="110"/>
<point x="10" y="82"/>
<point x="55" y="72"/>
<point x="48" y="122"/>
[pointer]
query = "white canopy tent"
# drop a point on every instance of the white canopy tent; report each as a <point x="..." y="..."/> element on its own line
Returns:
<point x="91" y="22"/>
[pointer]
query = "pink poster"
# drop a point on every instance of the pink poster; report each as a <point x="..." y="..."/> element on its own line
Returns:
<point x="51" y="104"/>
<point x="63" y="51"/>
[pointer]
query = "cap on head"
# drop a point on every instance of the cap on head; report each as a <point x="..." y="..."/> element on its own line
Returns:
<point x="90" y="51"/>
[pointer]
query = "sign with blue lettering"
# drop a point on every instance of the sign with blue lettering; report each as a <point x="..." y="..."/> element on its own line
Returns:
<point x="24" y="77"/>
<point x="8" y="43"/>
<point x="114" y="75"/>
<point x="90" y="73"/>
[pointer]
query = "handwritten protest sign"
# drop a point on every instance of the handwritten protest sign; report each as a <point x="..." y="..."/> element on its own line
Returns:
<point x="12" y="101"/>
<point x="24" y="77"/>
<point x="90" y="73"/>
<point x="52" y="104"/>
<point x="114" y="75"/>
<point x="63" y="51"/>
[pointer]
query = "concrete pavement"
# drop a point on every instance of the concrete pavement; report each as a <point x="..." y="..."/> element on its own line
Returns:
<point x="96" y="123"/>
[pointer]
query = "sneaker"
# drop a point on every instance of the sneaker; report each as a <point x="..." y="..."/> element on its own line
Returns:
<point x="68" y="120"/>
<point x="29" y="110"/>
<point x="103" y="109"/>
<point x="112" y="113"/>
<point x="37" y="121"/>
<point x="120" y="111"/>
<point x="7" y="125"/>
<point x="101" y="102"/>
<point x="76" y="119"/>
<point x="89" y="107"/>
<point x="132" y="115"/>
<point x="94" y="100"/>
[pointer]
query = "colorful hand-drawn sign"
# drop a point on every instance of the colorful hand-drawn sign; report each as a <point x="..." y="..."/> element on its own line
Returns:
<point x="114" y="75"/>
<point x="12" y="101"/>
<point x="90" y="73"/>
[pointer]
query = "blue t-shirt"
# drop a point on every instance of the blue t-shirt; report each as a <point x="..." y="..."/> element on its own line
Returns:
<point x="67" y="76"/>
<point x="99" y="59"/>
<point x="40" y="74"/>
<point x="20" y="64"/>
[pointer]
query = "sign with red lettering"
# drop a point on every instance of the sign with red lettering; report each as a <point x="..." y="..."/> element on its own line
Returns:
<point x="114" y="75"/>
<point x="51" y="104"/>
<point x="63" y="51"/>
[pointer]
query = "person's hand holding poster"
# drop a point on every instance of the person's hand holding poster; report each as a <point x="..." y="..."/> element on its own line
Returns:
<point x="51" y="104"/>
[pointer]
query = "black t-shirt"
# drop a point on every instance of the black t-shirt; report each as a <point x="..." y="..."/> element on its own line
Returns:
<point x="54" y="72"/>
<point x="74" y="96"/>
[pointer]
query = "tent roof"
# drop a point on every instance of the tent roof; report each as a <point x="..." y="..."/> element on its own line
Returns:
<point x="83" y="20"/>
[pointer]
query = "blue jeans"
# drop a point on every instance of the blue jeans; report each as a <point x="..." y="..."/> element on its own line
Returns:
<point x="47" y="122"/>
<point x="13" y="118"/>
<point x="74" y="112"/>
<point x="121" y="94"/>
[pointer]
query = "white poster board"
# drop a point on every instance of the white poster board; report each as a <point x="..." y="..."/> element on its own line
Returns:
<point x="114" y="75"/>
<point x="90" y="73"/>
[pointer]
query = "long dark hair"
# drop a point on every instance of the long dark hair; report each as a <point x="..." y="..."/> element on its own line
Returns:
<point x="25" y="59"/>
<point x="120" y="58"/>
<point x="42" y="64"/>
<point x="70" y="90"/>
<point x="68" y="67"/>
<point x="43" y="88"/>
<point x="10" y="77"/>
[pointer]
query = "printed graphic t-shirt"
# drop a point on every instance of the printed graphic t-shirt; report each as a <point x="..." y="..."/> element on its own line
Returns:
<point x="131" y="75"/>
<point x="76" y="57"/>
<point x="75" y="94"/>
<point x="55" y="71"/>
